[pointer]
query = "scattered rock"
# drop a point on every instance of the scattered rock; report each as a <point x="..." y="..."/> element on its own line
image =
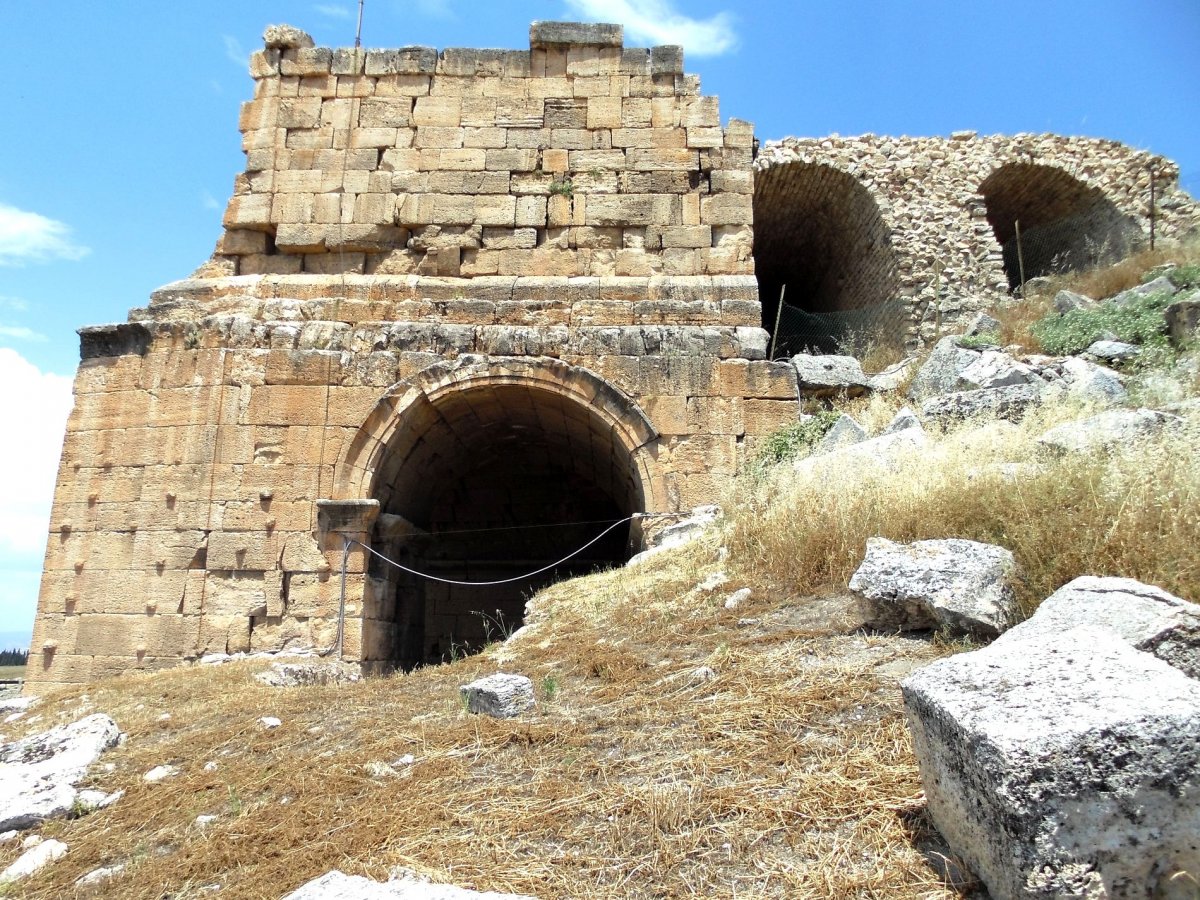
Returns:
<point x="283" y="674"/>
<point x="38" y="773"/>
<point x="205" y="819"/>
<point x="160" y="773"/>
<point x="1112" y="351"/>
<point x="893" y="376"/>
<point x="845" y="431"/>
<point x="905" y="418"/>
<point x="712" y="582"/>
<point x="1106" y="430"/>
<point x="337" y="886"/>
<point x="1183" y="319"/>
<point x="17" y="704"/>
<point x="1061" y="764"/>
<point x="995" y="369"/>
<point x="1065" y="301"/>
<point x="830" y="376"/>
<point x="1159" y="285"/>
<point x="961" y="585"/>
<point x="1010" y="402"/>
<point x="981" y="325"/>
<point x="269" y="722"/>
<point x="32" y="860"/>
<point x="737" y="598"/>
<point x="1146" y="617"/>
<point x="98" y="799"/>
<point x="881" y="452"/>
<point x="678" y="533"/>
<point x="8" y="836"/>
<point x="285" y="37"/>
<point x="941" y="371"/>
<point x="701" y="675"/>
<point x="96" y="876"/>
<point x="211" y="766"/>
<point x="1086" y="382"/>
<point x="501" y="696"/>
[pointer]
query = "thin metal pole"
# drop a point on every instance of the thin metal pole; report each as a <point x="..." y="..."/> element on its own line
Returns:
<point x="1020" y="255"/>
<point x="778" y="313"/>
<point x="358" y="31"/>
<point x="1153" y="174"/>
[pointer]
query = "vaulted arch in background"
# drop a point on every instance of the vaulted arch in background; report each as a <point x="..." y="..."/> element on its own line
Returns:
<point x="1064" y="224"/>
<point x="819" y="231"/>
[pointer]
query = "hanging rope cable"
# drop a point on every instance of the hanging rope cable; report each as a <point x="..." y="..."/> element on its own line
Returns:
<point x="552" y="565"/>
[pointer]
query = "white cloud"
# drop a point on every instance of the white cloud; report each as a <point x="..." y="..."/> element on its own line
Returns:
<point x="658" y="22"/>
<point x="30" y="237"/>
<point x="20" y="333"/>
<point x="208" y="201"/>
<point x="16" y="304"/>
<point x="333" y="11"/>
<point x="36" y="405"/>
<point x="234" y="51"/>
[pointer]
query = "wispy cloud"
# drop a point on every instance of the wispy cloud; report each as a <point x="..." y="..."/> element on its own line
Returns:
<point x="27" y="237"/>
<point x="234" y="51"/>
<point x="658" y="22"/>
<point x="16" y="304"/>
<point x="435" y="9"/>
<point x="20" y="333"/>
<point x="334" y="11"/>
<point x="208" y="201"/>
<point x="39" y="401"/>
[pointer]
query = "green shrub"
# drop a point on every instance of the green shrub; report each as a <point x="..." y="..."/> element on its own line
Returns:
<point x="1138" y="322"/>
<point x="1185" y="277"/>
<point x="791" y="441"/>
<point x="979" y="341"/>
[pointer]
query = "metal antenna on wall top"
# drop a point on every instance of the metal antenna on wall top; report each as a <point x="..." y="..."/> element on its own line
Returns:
<point x="358" y="31"/>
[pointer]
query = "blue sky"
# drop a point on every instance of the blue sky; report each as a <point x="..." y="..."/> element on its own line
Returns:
<point x="121" y="141"/>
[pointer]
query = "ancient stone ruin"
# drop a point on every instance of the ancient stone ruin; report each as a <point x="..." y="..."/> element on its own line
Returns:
<point x="464" y="297"/>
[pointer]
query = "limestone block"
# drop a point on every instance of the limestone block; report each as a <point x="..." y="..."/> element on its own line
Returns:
<point x="437" y="111"/>
<point x="1084" y="748"/>
<point x="603" y="112"/>
<point x="757" y="379"/>
<point x="628" y="209"/>
<point x="391" y="112"/>
<point x="664" y="159"/>
<point x="438" y="137"/>
<point x="520" y="113"/>
<point x="405" y="61"/>
<point x="726" y="209"/>
<point x="511" y="160"/>
<point x="242" y="550"/>
<point x="486" y="138"/>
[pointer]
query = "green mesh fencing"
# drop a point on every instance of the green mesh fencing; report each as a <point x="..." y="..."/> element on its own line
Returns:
<point x="853" y="332"/>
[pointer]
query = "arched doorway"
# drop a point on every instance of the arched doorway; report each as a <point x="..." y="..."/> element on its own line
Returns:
<point x="819" y="232"/>
<point x="1063" y="223"/>
<point x="485" y="471"/>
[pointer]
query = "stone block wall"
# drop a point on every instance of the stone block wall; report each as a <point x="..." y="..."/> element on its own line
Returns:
<point x="426" y="248"/>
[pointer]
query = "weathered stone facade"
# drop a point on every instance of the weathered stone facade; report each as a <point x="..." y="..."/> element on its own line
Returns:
<point x="461" y="297"/>
<point x="457" y="292"/>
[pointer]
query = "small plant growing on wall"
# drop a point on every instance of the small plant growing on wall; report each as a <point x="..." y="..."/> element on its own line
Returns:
<point x="562" y="187"/>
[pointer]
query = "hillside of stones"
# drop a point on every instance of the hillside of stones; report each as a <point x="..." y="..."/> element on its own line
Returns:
<point x="940" y="642"/>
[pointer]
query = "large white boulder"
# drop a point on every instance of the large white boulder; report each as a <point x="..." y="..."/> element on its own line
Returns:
<point x="338" y="886"/>
<point x="829" y="376"/>
<point x="1117" y="427"/>
<point x="940" y="372"/>
<point x="1144" y="616"/>
<point x="38" y="773"/>
<point x="958" y="584"/>
<point x="1064" y="764"/>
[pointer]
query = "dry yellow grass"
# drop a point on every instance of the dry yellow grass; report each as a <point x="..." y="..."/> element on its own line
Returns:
<point x="789" y="774"/>
<point x="1135" y="512"/>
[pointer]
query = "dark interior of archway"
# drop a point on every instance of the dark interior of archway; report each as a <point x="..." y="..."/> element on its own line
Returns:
<point x="818" y="231"/>
<point x="487" y="484"/>
<point x="1064" y="224"/>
